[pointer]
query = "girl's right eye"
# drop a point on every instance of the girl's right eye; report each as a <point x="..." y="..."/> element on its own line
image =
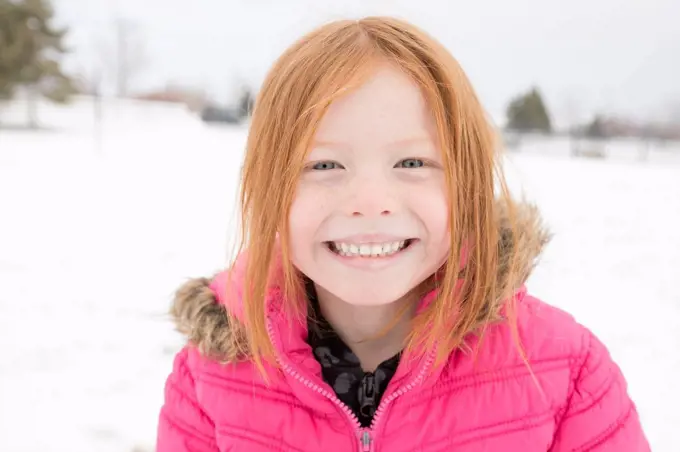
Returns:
<point x="325" y="166"/>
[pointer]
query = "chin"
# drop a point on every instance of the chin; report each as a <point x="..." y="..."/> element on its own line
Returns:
<point x="369" y="296"/>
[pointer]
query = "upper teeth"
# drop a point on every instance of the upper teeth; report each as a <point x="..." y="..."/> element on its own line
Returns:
<point x="368" y="249"/>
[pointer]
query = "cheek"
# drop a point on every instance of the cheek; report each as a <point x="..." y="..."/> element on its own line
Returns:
<point x="429" y="203"/>
<point x="307" y="213"/>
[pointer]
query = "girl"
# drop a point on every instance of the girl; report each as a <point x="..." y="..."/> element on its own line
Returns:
<point x="379" y="303"/>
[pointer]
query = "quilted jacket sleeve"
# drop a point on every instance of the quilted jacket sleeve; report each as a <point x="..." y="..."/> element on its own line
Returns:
<point x="600" y="415"/>
<point x="183" y="426"/>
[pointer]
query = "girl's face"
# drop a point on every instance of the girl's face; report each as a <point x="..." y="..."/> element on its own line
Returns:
<point x="369" y="218"/>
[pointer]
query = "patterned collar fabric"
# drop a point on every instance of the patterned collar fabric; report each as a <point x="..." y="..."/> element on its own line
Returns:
<point x="361" y="391"/>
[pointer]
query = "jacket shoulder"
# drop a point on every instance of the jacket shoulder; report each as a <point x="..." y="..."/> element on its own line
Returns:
<point x="549" y="333"/>
<point x="532" y="337"/>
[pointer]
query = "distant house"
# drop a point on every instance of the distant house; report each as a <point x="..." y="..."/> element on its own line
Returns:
<point x="194" y="100"/>
<point x="670" y="131"/>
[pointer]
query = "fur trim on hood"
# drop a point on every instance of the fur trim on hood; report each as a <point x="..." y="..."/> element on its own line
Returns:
<point x="199" y="315"/>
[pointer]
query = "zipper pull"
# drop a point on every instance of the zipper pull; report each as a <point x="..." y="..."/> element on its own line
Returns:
<point x="366" y="441"/>
<point x="367" y="396"/>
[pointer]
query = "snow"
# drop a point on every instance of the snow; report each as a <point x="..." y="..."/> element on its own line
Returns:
<point x="99" y="229"/>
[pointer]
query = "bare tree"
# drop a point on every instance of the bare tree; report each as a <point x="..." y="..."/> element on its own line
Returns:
<point x="125" y="58"/>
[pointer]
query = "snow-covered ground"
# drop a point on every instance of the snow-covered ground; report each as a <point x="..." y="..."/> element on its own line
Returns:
<point x="96" y="233"/>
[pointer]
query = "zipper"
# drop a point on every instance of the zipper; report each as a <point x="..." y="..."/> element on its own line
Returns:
<point x="382" y="407"/>
<point x="366" y="441"/>
<point x="364" y="434"/>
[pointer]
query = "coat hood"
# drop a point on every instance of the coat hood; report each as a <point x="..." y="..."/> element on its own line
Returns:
<point x="210" y="321"/>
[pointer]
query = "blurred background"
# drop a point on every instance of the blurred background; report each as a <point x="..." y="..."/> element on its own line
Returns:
<point x="122" y="128"/>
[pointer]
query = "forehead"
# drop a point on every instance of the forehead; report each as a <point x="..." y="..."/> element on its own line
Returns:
<point x="387" y="107"/>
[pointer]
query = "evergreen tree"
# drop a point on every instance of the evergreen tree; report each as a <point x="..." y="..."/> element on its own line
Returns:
<point x="528" y="113"/>
<point x="12" y="53"/>
<point x="30" y="51"/>
<point x="596" y="129"/>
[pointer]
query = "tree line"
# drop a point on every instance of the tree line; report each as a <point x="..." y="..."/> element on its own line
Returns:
<point x="31" y="48"/>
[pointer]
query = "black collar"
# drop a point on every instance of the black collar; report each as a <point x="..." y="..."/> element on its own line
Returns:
<point x="341" y="369"/>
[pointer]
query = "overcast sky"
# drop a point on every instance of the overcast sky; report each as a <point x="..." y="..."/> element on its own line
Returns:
<point x="618" y="56"/>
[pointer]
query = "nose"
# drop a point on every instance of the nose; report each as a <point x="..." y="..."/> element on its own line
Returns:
<point x="358" y="213"/>
<point x="372" y="196"/>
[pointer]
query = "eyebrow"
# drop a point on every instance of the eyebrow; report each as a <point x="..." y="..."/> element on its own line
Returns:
<point x="396" y="143"/>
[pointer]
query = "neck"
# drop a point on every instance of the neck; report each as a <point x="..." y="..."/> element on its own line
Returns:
<point x="374" y="333"/>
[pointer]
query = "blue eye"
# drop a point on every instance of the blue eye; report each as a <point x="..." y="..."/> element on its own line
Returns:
<point x="410" y="163"/>
<point x="325" y="166"/>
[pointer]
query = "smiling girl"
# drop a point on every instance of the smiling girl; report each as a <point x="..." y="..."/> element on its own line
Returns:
<point x="378" y="303"/>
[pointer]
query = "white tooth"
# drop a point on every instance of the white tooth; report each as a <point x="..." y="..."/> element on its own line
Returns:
<point x="394" y="247"/>
<point x="376" y="250"/>
<point x="402" y="243"/>
<point x="344" y="247"/>
<point x="353" y="249"/>
<point x="365" y="250"/>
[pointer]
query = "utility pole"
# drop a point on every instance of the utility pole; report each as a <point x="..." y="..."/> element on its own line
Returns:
<point x="130" y="55"/>
<point x="122" y="58"/>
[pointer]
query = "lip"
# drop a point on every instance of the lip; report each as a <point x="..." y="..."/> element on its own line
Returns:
<point x="372" y="263"/>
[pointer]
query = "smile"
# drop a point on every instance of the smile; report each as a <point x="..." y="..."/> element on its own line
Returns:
<point x="369" y="250"/>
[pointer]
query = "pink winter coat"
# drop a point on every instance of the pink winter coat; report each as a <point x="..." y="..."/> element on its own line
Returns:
<point x="576" y="399"/>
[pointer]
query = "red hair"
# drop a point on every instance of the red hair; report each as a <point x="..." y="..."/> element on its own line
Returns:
<point x="320" y="67"/>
